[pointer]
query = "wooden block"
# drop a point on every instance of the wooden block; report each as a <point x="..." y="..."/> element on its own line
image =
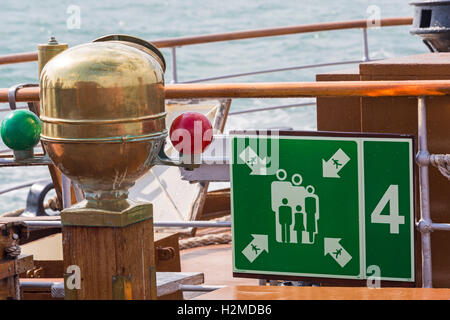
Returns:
<point x="167" y="242"/>
<point x="169" y="282"/>
<point x="339" y="113"/>
<point x="102" y="253"/>
<point x="399" y="115"/>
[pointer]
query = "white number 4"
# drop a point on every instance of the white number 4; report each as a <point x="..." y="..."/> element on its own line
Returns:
<point x="393" y="219"/>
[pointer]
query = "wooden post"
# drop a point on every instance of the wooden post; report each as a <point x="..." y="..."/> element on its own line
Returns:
<point x="115" y="262"/>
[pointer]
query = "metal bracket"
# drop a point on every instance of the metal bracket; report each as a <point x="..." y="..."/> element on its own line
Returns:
<point x="425" y="226"/>
<point x="35" y="198"/>
<point x="163" y="159"/>
<point x="166" y="253"/>
<point x="12" y="93"/>
<point x="121" y="288"/>
<point x="153" y="285"/>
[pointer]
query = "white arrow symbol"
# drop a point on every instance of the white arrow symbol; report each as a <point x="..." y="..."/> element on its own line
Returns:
<point x="255" y="163"/>
<point x="335" y="164"/>
<point x="259" y="244"/>
<point x="334" y="249"/>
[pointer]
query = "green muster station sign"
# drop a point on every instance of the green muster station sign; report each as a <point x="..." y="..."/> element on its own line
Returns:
<point x="322" y="206"/>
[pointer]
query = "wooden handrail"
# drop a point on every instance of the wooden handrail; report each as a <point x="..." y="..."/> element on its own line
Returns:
<point x="22" y="95"/>
<point x="285" y="90"/>
<point x="19" y="57"/>
<point x="239" y="35"/>
<point x="309" y="89"/>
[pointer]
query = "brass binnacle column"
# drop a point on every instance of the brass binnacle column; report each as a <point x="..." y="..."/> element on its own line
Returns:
<point x="46" y="52"/>
<point x="49" y="50"/>
<point x="103" y="125"/>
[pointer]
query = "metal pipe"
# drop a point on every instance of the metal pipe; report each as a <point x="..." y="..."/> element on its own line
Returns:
<point x="366" y="56"/>
<point x="37" y="284"/>
<point x="167" y="224"/>
<point x="237" y="75"/>
<point x="425" y="220"/>
<point x="193" y="224"/>
<point x="273" y="108"/>
<point x="182" y="287"/>
<point x="20" y="186"/>
<point x="199" y="288"/>
<point x="39" y="224"/>
<point x="440" y="226"/>
<point x="37" y="160"/>
<point x="174" y="65"/>
<point x="9" y="109"/>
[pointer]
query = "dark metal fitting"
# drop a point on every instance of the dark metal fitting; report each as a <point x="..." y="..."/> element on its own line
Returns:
<point x="12" y="93"/>
<point x="425" y="226"/>
<point x="166" y="253"/>
<point x="423" y="158"/>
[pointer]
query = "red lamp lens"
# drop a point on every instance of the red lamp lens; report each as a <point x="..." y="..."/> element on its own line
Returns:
<point x="191" y="133"/>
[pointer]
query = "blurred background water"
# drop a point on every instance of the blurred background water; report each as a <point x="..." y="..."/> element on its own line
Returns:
<point x="25" y="23"/>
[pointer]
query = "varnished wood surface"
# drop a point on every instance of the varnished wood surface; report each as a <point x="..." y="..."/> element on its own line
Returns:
<point x="324" y="293"/>
<point x="19" y="57"/>
<point x="167" y="283"/>
<point x="399" y="115"/>
<point x="309" y="89"/>
<point x="346" y="109"/>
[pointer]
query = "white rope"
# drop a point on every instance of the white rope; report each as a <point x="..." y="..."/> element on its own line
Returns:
<point x="13" y="250"/>
<point x="442" y="162"/>
<point x="205" y="240"/>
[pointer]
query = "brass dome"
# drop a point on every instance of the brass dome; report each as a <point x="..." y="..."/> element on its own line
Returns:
<point x="103" y="113"/>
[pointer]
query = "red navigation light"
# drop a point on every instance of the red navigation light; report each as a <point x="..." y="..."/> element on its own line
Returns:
<point x="191" y="133"/>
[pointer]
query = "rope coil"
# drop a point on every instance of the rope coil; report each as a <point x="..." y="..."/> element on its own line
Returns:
<point x="442" y="162"/>
<point x="13" y="251"/>
<point x="206" y="240"/>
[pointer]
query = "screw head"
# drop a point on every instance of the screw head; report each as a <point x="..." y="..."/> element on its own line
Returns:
<point x="52" y="40"/>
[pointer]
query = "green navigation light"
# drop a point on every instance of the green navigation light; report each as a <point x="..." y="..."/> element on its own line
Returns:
<point x="21" y="130"/>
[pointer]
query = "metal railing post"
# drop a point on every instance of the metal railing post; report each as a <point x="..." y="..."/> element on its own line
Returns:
<point x="365" y="46"/>
<point x="174" y="65"/>
<point x="425" y="223"/>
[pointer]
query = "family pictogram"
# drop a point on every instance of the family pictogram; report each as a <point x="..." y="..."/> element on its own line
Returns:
<point x="296" y="210"/>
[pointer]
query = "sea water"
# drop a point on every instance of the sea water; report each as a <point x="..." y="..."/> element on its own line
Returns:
<point x="25" y="23"/>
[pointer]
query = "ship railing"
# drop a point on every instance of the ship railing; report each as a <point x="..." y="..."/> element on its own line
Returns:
<point x="415" y="88"/>
<point x="174" y="43"/>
